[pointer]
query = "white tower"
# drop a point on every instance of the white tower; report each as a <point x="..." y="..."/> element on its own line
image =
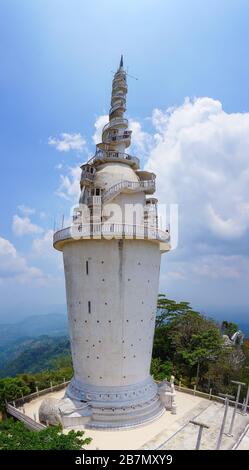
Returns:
<point x="112" y="266"/>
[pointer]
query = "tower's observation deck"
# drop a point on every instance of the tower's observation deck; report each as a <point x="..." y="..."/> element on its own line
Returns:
<point x="111" y="257"/>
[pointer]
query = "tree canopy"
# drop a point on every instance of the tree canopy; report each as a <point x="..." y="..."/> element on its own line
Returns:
<point x="191" y="345"/>
<point x="15" y="436"/>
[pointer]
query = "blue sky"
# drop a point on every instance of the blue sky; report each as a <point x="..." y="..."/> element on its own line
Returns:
<point x="56" y="63"/>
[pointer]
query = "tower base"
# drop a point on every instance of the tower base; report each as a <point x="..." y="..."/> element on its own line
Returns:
<point x="112" y="407"/>
<point x="118" y="419"/>
<point x="109" y="408"/>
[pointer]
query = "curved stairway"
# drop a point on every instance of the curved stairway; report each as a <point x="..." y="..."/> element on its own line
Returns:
<point x="135" y="186"/>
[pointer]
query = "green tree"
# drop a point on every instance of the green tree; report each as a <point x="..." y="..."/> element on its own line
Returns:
<point x="196" y="340"/>
<point x="161" y="369"/>
<point x="228" y="328"/>
<point x="169" y="309"/>
<point x="162" y="346"/>
<point x="185" y="337"/>
<point x="15" y="436"/>
<point x="12" y="388"/>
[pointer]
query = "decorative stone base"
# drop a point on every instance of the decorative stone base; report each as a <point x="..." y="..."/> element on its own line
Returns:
<point x="119" y="418"/>
<point x="96" y="407"/>
<point x="116" y="407"/>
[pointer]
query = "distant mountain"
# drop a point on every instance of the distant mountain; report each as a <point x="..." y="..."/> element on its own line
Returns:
<point x="53" y="324"/>
<point x="33" y="355"/>
<point x="17" y="313"/>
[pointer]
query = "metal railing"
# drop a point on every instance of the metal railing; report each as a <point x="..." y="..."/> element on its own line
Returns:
<point x="118" y="137"/>
<point x="31" y="396"/>
<point x="115" y="122"/>
<point x="16" y="407"/>
<point x="133" y="185"/>
<point x="92" y="200"/>
<point x="87" y="175"/>
<point x="209" y="395"/>
<point x="121" y="74"/>
<point x="118" y="94"/>
<point x="114" y="156"/>
<point x="110" y="230"/>
<point x="29" y="422"/>
<point x="115" y="106"/>
<point x="119" y="84"/>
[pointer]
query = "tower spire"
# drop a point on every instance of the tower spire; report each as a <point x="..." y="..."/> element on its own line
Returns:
<point x="121" y="62"/>
<point x="115" y="135"/>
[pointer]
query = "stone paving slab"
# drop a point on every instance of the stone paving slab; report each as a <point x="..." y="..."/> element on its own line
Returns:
<point x="212" y="417"/>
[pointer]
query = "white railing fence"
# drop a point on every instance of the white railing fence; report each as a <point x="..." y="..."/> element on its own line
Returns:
<point x="111" y="230"/>
<point x="133" y="185"/>
<point x="21" y="416"/>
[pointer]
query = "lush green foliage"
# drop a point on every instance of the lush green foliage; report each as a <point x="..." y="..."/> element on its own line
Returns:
<point x="161" y="369"/>
<point x="229" y="328"/>
<point x="12" y="388"/>
<point x="170" y="309"/>
<point x="15" y="436"/>
<point x="193" y="346"/>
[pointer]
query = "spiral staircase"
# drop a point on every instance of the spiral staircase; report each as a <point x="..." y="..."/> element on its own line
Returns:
<point x="116" y="136"/>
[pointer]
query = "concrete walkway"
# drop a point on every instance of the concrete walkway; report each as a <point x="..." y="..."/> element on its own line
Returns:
<point x="212" y="417"/>
<point x="244" y="441"/>
<point x="169" y="431"/>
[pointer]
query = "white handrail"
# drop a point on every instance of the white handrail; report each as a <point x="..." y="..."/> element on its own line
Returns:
<point x="114" y="122"/>
<point x="115" y="156"/>
<point x="116" y="106"/>
<point x="104" y="228"/>
<point x="134" y="185"/>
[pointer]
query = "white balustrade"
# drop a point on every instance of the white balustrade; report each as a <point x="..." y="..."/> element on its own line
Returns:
<point x="102" y="229"/>
<point x="115" y="122"/>
<point x="115" y="156"/>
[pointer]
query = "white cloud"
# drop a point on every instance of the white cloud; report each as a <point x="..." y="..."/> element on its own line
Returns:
<point x="66" y="142"/>
<point x="99" y="124"/>
<point x="221" y="267"/>
<point x="25" y="210"/>
<point x="42" y="249"/>
<point x="59" y="166"/>
<point x="201" y="159"/>
<point x="229" y="227"/>
<point x="141" y="141"/>
<point x="69" y="187"/>
<point x="43" y="246"/>
<point x="13" y="266"/>
<point x="24" y="226"/>
<point x="213" y="267"/>
<point x="200" y="155"/>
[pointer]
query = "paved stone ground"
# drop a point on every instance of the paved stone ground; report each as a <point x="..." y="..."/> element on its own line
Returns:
<point x="169" y="431"/>
<point x="244" y="442"/>
<point x="212" y="417"/>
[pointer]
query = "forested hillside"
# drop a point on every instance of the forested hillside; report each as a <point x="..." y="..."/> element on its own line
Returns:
<point x="33" y="355"/>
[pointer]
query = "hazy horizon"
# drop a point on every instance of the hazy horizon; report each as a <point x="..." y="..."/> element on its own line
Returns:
<point x="12" y="316"/>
